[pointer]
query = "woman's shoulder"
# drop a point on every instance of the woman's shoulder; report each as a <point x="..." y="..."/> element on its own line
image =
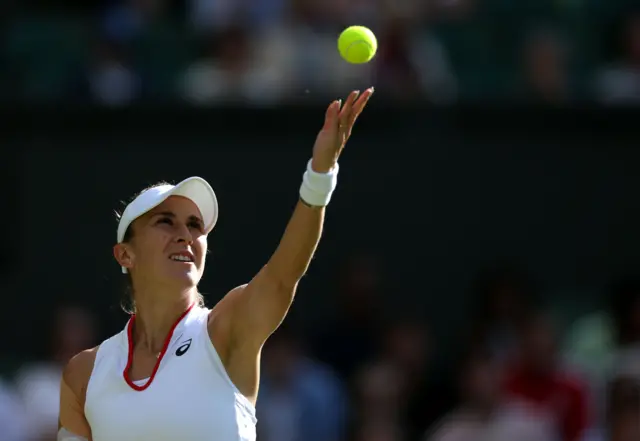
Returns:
<point x="78" y="370"/>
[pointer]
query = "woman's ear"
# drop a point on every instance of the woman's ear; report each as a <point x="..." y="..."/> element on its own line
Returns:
<point x="123" y="255"/>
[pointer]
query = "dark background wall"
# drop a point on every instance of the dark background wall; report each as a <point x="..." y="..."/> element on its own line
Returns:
<point x="435" y="194"/>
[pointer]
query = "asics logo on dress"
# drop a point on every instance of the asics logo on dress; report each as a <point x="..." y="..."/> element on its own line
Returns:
<point x="184" y="347"/>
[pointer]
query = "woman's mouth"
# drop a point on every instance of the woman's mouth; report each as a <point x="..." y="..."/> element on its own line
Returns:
<point x="183" y="256"/>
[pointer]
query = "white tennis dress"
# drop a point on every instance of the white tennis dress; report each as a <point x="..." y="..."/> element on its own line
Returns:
<point x="190" y="397"/>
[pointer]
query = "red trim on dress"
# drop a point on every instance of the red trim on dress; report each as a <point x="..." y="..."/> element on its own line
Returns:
<point x="125" y="373"/>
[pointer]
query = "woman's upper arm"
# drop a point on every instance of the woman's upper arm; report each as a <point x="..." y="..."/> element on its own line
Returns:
<point x="73" y="387"/>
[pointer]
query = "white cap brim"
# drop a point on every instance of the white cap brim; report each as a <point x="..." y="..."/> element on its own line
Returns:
<point x="195" y="189"/>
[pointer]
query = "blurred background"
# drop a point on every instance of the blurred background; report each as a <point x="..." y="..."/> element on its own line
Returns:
<point x="268" y="52"/>
<point x="479" y="275"/>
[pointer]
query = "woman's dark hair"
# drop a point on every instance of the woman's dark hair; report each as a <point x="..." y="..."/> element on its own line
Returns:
<point x="127" y="302"/>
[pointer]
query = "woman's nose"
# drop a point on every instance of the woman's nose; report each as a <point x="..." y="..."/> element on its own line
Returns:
<point x="184" y="235"/>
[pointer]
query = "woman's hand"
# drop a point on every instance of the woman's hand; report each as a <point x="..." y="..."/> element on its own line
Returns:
<point x="338" y="123"/>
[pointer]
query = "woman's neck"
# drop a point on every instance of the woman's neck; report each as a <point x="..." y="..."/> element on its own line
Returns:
<point x="155" y="316"/>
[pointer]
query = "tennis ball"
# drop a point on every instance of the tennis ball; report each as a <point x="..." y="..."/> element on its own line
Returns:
<point x="357" y="44"/>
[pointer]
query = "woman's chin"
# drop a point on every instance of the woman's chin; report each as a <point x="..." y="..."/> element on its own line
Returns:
<point x="186" y="278"/>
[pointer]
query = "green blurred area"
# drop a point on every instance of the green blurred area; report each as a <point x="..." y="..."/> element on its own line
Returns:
<point x="44" y="55"/>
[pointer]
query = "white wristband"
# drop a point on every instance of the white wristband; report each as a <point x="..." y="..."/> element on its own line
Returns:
<point x="317" y="188"/>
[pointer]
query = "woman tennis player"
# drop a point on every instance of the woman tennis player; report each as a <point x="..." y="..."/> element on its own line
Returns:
<point x="179" y="371"/>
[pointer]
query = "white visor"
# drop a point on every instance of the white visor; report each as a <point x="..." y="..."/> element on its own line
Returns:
<point x="196" y="189"/>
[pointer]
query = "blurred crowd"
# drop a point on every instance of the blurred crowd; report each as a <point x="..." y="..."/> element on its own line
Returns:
<point x="517" y="373"/>
<point x="268" y="52"/>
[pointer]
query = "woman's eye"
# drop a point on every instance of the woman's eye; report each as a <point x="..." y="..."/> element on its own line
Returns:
<point x="196" y="225"/>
